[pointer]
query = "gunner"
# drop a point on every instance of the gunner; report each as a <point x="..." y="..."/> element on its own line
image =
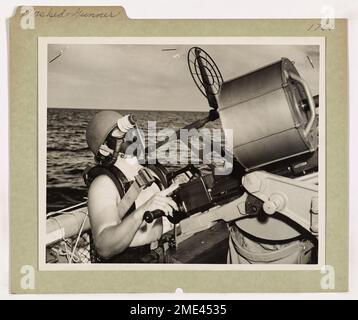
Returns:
<point x="121" y="238"/>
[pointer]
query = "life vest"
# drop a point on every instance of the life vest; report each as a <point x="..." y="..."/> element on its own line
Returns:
<point x="120" y="180"/>
<point x="130" y="255"/>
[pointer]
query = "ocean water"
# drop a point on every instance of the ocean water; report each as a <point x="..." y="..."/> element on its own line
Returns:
<point x="68" y="154"/>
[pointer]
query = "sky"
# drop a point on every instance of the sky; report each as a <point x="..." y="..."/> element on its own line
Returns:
<point x="144" y="77"/>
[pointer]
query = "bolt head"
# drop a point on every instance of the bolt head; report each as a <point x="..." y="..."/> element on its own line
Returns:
<point x="251" y="182"/>
<point x="269" y="207"/>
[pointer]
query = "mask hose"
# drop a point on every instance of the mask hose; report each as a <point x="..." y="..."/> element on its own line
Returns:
<point x="109" y="161"/>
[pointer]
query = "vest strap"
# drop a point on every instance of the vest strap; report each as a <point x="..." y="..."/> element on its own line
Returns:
<point x="142" y="180"/>
<point x="123" y="185"/>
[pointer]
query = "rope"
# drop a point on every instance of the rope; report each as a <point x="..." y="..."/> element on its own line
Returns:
<point x="78" y="237"/>
<point x="66" y="209"/>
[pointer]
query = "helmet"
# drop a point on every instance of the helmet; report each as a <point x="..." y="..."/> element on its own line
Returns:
<point x="99" y="128"/>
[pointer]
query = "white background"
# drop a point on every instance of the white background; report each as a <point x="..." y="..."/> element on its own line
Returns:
<point x="193" y="9"/>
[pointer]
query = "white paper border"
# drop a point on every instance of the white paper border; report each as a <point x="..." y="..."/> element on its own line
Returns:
<point x="42" y="147"/>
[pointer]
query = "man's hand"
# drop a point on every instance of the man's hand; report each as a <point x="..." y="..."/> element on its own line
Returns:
<point x="162" y="201"/>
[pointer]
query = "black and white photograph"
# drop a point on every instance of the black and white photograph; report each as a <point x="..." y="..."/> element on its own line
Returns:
<point x="195" y="152"/>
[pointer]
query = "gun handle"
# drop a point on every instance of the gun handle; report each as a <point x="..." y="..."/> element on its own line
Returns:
<point x="150" y="216"/>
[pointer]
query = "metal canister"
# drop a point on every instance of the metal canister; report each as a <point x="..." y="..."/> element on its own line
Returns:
<point x="265" y="110"/>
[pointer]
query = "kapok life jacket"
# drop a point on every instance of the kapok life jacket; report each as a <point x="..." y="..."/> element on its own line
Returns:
<point x="130" y="255"/>
<point x="120" y="180"/>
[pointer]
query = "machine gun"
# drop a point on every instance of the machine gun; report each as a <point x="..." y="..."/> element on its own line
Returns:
<point x="275" y="171"/>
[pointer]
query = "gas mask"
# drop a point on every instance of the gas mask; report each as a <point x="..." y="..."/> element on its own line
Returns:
<point x="116" y="142"/>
